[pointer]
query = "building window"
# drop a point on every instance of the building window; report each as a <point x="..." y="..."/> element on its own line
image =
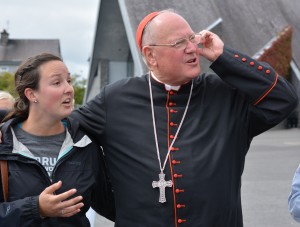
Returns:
<point x="4" y="69"/>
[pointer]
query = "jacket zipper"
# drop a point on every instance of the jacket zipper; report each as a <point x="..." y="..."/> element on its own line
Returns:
<point x="58" y="163"/>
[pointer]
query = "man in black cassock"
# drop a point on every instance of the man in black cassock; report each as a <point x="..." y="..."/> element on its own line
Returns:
<point x="175" y="140"/>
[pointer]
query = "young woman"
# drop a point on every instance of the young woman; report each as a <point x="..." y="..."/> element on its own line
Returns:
<point x="55" y="172"/>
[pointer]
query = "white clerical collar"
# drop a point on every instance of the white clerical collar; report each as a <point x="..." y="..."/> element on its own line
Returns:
<point x="167" y="86"/>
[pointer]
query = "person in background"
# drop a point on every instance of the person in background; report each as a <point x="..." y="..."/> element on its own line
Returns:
<point x="176" y="140"/>
<point x="294" y="197"/>
<point x="6" y="103"/>
<point x="55" y="171"/>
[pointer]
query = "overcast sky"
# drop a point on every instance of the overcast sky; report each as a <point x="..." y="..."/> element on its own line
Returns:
<point x="71" y="21"/>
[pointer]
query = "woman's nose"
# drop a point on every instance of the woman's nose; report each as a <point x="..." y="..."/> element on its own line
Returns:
<point x="69" y="88"/>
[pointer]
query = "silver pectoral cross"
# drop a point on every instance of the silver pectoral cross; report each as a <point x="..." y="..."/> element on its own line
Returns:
<point x="162" y="184"/>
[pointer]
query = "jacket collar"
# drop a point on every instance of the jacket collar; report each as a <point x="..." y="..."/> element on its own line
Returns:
<point x="74" y="138"/>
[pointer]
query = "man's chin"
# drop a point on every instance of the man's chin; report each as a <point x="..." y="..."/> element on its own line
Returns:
<point x="194" y="74"/>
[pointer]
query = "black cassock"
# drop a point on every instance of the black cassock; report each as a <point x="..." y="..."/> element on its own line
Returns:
<point x="227" y="110"/>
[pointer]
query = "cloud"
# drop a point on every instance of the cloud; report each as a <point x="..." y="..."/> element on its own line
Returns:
<point x="73" y="22"/>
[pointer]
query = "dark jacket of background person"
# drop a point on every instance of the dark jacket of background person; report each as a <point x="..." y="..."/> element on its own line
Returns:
<point x="82" y="168"/>
<point x="2" y="114"/>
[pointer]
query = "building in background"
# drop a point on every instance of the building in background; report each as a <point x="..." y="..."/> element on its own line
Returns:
<point x="252" y="27"/>
<point x="14" y="51"/>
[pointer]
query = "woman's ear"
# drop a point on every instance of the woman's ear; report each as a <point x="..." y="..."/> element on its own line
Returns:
<point x="149" y="55"/>
<point x="30" y="95"/>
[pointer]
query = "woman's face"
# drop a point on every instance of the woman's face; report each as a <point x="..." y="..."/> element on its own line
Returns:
<point x="55" y="93"/>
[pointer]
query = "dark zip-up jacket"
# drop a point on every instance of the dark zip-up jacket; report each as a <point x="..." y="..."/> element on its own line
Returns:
<point x="80" y="165"/>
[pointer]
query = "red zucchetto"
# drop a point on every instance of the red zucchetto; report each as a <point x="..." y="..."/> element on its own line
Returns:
<point x="141" y="27"/>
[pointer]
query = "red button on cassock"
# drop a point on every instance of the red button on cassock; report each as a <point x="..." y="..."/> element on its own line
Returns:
<point x="174" y="149"/>
<point x="177" y="175"/>
<point x="268" y="71"/>
<point x="259" y="67"/>
<point x="181" y="221"/>
<point x="179" y="190"/>
<point x="180" y="206"/>
<point x="244" y="59"/>
<point x="173" y="124"/>
<point x="174" y="162"/>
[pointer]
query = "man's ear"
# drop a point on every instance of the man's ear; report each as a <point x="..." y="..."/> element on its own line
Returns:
<point x="149" y="55"/>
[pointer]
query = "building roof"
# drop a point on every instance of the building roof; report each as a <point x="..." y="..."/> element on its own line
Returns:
<point x="16" y="50"/>
<point x="244" y="25"/>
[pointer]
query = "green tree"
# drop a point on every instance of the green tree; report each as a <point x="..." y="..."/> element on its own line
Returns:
<point x="7" y="83"/>
<point x="79" y="85"/>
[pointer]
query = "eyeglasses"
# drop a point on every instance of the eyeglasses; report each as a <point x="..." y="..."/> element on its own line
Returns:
<point x="182" y="43"/>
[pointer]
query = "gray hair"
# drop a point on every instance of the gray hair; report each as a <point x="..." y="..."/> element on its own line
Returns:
<point x="6" y="95"/>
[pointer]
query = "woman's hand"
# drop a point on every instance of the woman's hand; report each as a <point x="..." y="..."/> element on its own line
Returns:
<point x="52" y="205"/>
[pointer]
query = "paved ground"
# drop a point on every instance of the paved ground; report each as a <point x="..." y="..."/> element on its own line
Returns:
<point x="270" y="165"/>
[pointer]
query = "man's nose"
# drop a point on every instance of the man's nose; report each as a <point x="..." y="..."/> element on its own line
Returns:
<point x="191" y="46"/>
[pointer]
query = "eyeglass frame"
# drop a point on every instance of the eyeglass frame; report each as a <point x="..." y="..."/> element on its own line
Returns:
<point x="179" y="41"/>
